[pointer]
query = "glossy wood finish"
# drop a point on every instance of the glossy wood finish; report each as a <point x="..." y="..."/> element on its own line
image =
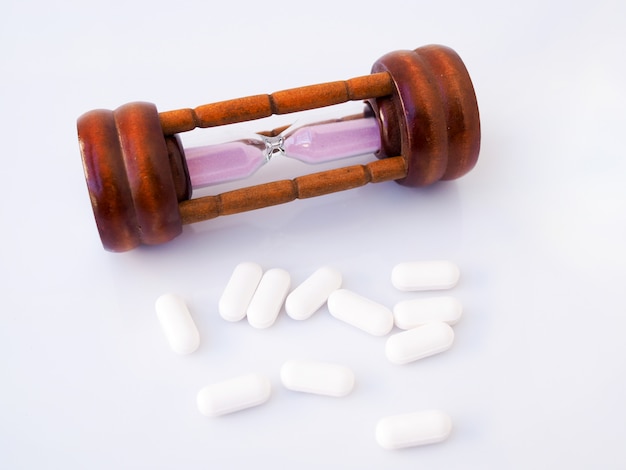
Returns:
<point x="280" y="192"/>
<point x="131" y="176"/>
<point x="137" y="175"/>
<point x="281" y="102"/>
<point x="105" y="174"/>
<point x="461" y="107"/>
<point x="432" y="117"/>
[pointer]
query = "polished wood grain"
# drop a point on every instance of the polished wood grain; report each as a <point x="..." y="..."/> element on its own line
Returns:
<point x="281" y="102"/>
<point x="138" y="179"/>
<point x="302" y="187"/>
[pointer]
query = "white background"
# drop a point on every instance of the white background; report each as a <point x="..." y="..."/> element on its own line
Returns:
<point x="537" y="375"/>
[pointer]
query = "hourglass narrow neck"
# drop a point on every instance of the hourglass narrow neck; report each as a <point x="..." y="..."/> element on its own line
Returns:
<point x="313" y="143"/>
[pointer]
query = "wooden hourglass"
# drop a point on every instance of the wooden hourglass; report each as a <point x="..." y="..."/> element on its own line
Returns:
<point x="422" y="124"/>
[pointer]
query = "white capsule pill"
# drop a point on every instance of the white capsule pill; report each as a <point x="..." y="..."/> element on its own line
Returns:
<point x="420" y="342"/>
<point x="358" y="311"/>
<point x="322" y="378"/>
<point x="234" y="394"/>
<point x="309" y="296"/>
<point x="413" y="429"/>
<point x="268" y="298"/>
<point x="239" y="291"/>
<point x="177" y="324"/>
<point x="425" y="275"/>
<point x="411" y="313"/>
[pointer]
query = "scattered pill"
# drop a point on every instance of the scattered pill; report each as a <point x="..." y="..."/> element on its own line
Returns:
<point x="268" y="298"/>
<point x="260" y="297"/>
<point x="309" y="296"/>
<point x="413" y="429"/>
<point x="358" y="311"/>
<point x="239" y="291"/>
<point x="420" y="342"/>
<point x="425" y="275"/>
<point x="411" y="313"/>
<point x="233" y="395"/>
<point x="321" y="378"/>
<point x="177" y="324"/>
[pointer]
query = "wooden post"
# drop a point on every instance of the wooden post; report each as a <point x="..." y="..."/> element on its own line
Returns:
<point x="281" y="102"/>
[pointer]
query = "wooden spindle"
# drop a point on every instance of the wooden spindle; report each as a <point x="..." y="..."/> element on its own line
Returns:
<point x="281" y="102"/>
<point x="281" y="192"/>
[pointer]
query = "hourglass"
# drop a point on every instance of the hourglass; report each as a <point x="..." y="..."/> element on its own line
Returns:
<point x="421" y="120"/>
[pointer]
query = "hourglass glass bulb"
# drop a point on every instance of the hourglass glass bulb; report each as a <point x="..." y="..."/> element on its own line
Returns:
<point x="214" y="164"/>
<point x="317" y="142"/>
<point x="332" y="140"/>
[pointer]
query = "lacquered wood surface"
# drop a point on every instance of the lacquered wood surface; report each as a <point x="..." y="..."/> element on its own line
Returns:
<point x="138" y="179"/>
<point x="281" y="102"/>
<point x="280" y="192"/>
<point x="431" y="118"/>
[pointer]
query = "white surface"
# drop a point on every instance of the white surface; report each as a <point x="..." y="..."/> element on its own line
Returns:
<point x="322" y="378"/>
<point x="177" y="324"/>
<point x="418" y="343"/>
<point x="411" y="313"/>
<point x="235" y="394"/>
<point x="269" y="297"/>
<point x="312" y="294"/>
<point x="413" y="429"/>
<point x="425" y="275"/>
<point x="361" y="312"/>
<point x="237" y="294"/>
<point x="537" y="375"/>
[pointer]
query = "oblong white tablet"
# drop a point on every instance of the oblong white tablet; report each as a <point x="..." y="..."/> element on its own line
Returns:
<point x="268" y="298"/>
<point x="420" y="342"/>
<point x="412" y="313"/>
<point x="425" y="275"/>
<point x="358" y="311"/>
<point x="239" y="291"/>
<point x="322" y="378"/>
<point x="177" y="324"/>
<point x="234" y="394"/>
<point x="309" y="296"/>
<point x="413" y="429"/>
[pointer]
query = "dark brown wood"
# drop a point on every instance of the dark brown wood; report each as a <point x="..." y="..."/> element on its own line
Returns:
<point x="131" y="176"/>
<point x="138" y="180"/>
<point x="178" y="167"/>
<point x="462" y="116"/>
<point x="280" y="192"/>
<point x="148" y="172"/>
<point x="431" y="118"/>
<point x="105" y="175"/>
<point x="419" y="113"/>
<point x="281" y="102"/>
